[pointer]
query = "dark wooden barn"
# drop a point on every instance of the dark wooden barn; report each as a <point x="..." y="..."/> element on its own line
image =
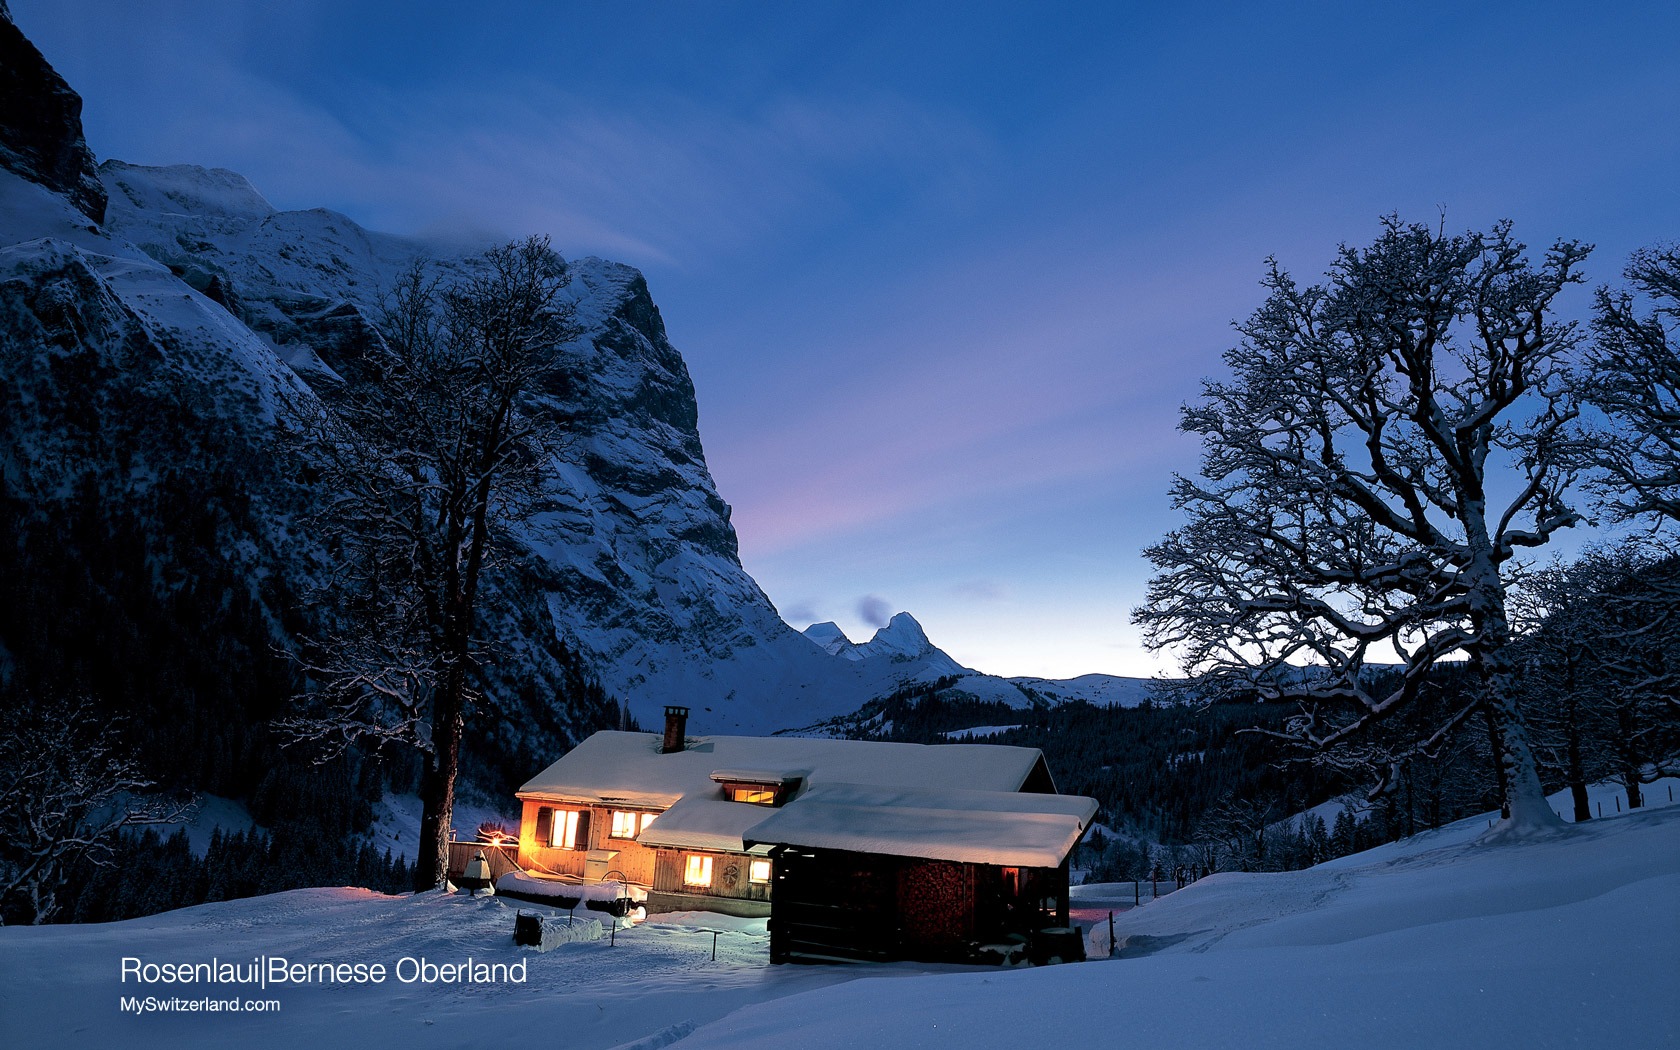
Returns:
<point x="864" y="872"/>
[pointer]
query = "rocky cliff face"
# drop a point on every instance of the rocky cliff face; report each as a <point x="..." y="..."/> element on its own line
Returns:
<point x="634" y="553"/>
<point x="41" y="124"/>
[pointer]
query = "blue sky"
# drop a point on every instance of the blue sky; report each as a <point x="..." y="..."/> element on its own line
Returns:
<point x="943" y="273"/>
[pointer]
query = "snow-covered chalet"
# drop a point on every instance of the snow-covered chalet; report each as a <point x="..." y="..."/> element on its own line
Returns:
<point x="855" y="849"/>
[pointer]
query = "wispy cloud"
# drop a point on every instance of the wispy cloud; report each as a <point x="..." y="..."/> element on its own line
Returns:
<point x="874" y="610"/>
<point x="802" y="611"/>
<point x="652" y="177"/>
<point x="980" y="591"/>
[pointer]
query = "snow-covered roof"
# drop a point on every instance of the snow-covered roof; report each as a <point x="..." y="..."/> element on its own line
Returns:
<point x="628" y="768"/>
<point x="841" y="778"/>
<point x="704" y="822"/>
<point x="976" y="827"/>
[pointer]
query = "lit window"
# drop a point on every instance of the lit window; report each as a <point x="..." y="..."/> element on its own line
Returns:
<point x="698" y="871"/>
<point x="564" y="835"/>
<point x="647" y="818"/>
<point x="624" y="825"/>
<point x="757" y="796"/>
<point x="759" y="872"/>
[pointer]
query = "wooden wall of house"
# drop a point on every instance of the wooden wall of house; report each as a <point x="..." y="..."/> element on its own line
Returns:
<point x="634" y="860"/>
<point x="936" y="907"/>
<point x="833" y="904"/>
<point x="731" y="874"/>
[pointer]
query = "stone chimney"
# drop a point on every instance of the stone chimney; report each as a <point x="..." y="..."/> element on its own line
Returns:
<point x="676" y="728"/>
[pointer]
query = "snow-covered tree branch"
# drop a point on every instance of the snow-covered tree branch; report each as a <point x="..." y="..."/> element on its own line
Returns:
<point x="68" y="786"/>
<point x="1632" y="375"/>
<point x="1387" y="442"/>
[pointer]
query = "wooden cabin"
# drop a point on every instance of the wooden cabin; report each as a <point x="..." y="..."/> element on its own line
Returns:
<point x="855" y="849"/>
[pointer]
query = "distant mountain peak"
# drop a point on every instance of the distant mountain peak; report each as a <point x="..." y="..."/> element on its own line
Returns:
<point x="901" y="641"/>
<point x="832" y="640"/>
<point x="902" y="638"/>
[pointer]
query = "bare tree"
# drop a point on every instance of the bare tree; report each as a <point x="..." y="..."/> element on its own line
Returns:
<point x="1233" y="830"/>
<point x="1387" y="445"/>
<point x="1558" y="614"/>
<point x="1632" y="374"/>
<point x="68" y="787"/>
<point x="1603" y="666"/>
<point x="425" y="467"/>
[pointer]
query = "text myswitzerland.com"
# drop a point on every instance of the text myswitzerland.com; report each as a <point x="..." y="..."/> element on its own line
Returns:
<point x="151" y="1004"/>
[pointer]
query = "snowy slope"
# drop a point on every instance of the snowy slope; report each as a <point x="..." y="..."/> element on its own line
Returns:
<point x="1566" y="940"/>
<point x="1102" y="690"/>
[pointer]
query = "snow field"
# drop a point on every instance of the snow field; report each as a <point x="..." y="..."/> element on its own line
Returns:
<point x="659" y="977"/>
<point x="1448" y="939"/>
<point x="1566" y="940"/>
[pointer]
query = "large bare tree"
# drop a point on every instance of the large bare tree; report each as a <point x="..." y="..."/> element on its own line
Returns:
<point x="427" y="463"/>
<point x="1387" y="444"/>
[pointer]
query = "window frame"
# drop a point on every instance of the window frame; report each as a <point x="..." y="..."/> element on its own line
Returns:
<point x="754" y="867"/>
<point x="563" y="831"/>
<point x="697" y="864"/>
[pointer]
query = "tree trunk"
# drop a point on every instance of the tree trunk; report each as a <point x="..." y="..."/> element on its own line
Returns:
<point x="437" y="784"/>
<point x="431" y="866"/>
<point x="1524" y="804"/>
<point x="1500" y="775"/>
<point x="1577" y="769"/>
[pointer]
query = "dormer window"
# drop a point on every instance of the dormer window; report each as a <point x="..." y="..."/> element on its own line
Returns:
<point x="759" y="787"/>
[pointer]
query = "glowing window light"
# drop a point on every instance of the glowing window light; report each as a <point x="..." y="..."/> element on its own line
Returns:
<point x="698" y="871"/>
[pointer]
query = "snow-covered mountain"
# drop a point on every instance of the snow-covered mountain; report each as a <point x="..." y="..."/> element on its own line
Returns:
<point x="901" y="641"/>
<point x="903" y="645"/>
<point x="637" y="556"/>
<point x="185" y="311"/>
<point x="635" y="553"/>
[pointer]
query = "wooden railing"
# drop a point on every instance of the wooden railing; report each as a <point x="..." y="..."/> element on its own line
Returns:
<point x="502" y="859"/>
